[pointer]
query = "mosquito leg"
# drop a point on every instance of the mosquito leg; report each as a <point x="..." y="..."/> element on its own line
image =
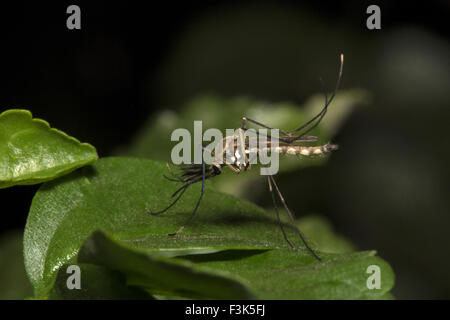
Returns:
<point x="291" y="217"/>
<point x="242" y="143"/>
<point x="287" y="138"/>
<point x="321" y="114"/>
<point x="172" y="173"/>
<point x="171" y="179"/>
<point x="232" y="167"/>
<point x="244" y="123"/>
<point x="244" y="127"/>
<point x="182" y="189"/>
<point x="245" y="119"/>
<point x="278" y="214"/>
<point x="198" y="201"/>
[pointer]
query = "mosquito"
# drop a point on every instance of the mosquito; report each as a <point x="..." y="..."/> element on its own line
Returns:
<point x="289" y="143"/>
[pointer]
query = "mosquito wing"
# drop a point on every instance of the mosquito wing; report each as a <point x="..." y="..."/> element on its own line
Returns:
<point x="267" y="142"/>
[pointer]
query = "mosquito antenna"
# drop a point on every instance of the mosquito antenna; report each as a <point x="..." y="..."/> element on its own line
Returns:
<point x="321" y="114"/>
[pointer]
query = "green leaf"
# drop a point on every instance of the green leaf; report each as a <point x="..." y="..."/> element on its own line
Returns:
<point x="272" y="274"/>
<point x="290" y="274"/>
<point x="159" y="274"/>
<point x="319" y="229"/>
<point x="14" y="283"/>
<point x="97" y="283"/>
<point x="230" y="240"/>
<point x="114" y="195"/>
<point x="31" y="152"/>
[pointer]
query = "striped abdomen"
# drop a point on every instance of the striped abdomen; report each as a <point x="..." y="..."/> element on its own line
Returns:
<point x="306" y="151"/>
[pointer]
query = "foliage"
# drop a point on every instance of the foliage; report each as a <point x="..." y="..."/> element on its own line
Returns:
<point x="232" y="249"/>
<point x="97" y="217"/>
<point x="31" y="152"/>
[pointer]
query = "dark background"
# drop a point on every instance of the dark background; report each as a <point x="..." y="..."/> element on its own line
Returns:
<point x="387" y="190"/>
